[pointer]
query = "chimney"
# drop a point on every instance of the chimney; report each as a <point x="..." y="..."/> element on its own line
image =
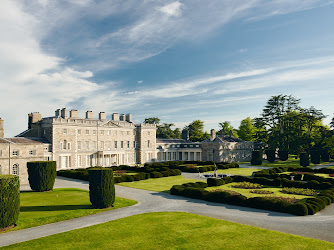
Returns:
<point x="128" y="118"/>
<point x="64" y="113"/>
<point x="231" y="133"/>
<point x="213" y="134"/>
<point x="74" y="113"/>
<point x="185" y="134"/>
<point x="33" y="118"/>
<point x="89" y="114"/>
<point x="57" y="113"/>
<point x="122" y="117"/>
<point x="2" y="133"/>
<point x="102" y="116"/>
<point x="115" y="117"/>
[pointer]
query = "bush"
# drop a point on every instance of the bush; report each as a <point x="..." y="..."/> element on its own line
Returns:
<point x="270" y="155"/>
<point x="256" y="157"/>
<point x="101" y="188"/>
<point x="283" y="155"/>
<point x="42" y="175"/>
<point x="325" y="155"/>
<point x="315" y="156"/>
<point x="155" y="175"/>
<point x="304" y="160"/>
<point x="9" y="200"/>
<point x="212" y="182"/>
<point x="298" y="209"/>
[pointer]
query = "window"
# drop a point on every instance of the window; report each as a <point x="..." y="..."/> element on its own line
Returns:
<point x="122" y="144"/>
<point x="191" y="146"/>
<point x="148" y="143"/>
<point x="69" y="145"/>
<point x="79" y="144"/>
<point x="134" y="144"/>
<point x="79" y="131"/>
<point x="0" y="152"/>
<point x="87" y="145"/>
<point x="64" y="144"/>
<point x="109" y="145"/>
<point x="115" y="144"/>
<point x="197" y="146"/>
<point x="87" y="132"/>
<point x="148" y="133"/>
<point x="94" y="145"/>
<point x="32" y="152"/>
<point x="102" y="132"/>
<point x="115" y="133"/>
<point x="15" y="169"/>
<point x="64" y="131"/>
<point x="128" y="144"/>
<point x="94" y="132"/>
<point x="108" y="132"/>
<point x="102" y="145"/>
<point x="15" y="153"/>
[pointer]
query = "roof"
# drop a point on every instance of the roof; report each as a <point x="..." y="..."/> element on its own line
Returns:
<point x="18" y="140"/>
<point x="164" y="140"/>
<point x="224" y="138"/>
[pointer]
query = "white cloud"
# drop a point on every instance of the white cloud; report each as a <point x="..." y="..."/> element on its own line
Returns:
<point x="140" y="81"/>
<point x="172" y="9"/>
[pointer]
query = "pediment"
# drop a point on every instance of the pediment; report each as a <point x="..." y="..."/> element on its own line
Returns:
<point x="110" y="124"/>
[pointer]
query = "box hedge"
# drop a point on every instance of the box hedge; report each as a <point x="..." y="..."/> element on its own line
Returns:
<point x="101" y="188"/>
<point x="42" y="175"/>
<point x="9" y="200"/>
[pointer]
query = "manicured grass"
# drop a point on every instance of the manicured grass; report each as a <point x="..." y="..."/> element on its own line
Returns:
<point x="60" y="204"/>
<point x="237" y="171"/>
<point x="322" y="175"/>
<point x="157" y="184"/>
<point x="173" y="230"/>
<point x="246" y="192"/>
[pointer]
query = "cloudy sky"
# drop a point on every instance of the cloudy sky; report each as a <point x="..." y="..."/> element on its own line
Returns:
<point x="215" y="60"/>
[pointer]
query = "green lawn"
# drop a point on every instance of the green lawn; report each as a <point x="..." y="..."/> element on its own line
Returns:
<point x="60" y="204"/>
<point x="172" y="230"/>
<point x="158" y="184"/>
<point x="237" y="171"/>
<point x="246" y="192"/>
<point x="322" y="175"/>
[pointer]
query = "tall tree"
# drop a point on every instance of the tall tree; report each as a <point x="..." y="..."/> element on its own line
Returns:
<point x="196" y="133"/>
<point x="152" y="120"/>
<point x="226" y="127"/>
<point x="165" y="131"/>
<point x="246" y="129"/>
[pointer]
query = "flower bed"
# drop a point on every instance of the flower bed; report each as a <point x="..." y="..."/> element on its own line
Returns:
<point x="286" y="199"/>
<point x="301" y="191"/>
<point x="223" y="190"/>
<point x="247" y="185"/>
<point x="256" y="191"/>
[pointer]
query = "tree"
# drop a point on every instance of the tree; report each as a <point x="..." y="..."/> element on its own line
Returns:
<point x="165" y="131"/>
<point x="226" y="127"/>
<point x="152" y="120"/>
<point x="196" y="133"/>
<point x="246" y="129"/>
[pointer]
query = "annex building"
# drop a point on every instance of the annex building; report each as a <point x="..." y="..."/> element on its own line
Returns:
<point x="80" y="142"/>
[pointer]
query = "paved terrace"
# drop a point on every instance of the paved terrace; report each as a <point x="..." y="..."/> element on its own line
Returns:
<point x="319" y="226"/>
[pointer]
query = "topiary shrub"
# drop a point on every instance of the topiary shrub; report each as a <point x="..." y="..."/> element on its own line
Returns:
<point x="270" y="155"/>
<point x="215" y="182"/>
<point x="128" y="178"/>
<point x="283" y="155"/>
<point x="315" y="156"/>
<point x="256" y="157"/>
<point x="9" y="200"/>
<point x="155" y="174"/>
<point x="298" y="209"/>
<point x="42" y="175"/>
<point x="325" y="155"/>
<point x="304" y="160"/>
<point x="101" y="188"/>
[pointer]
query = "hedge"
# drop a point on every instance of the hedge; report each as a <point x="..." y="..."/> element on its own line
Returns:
<point x="304" y="160"/>
<point x="283" y="155"/>
<point x="9" y="200"/>
<point x="101" y="188"/>
<point x="42" y="175"/>
<point x="270" y="155"/>
<point x="315" y="156"/>
<point x="256" y="157"/>
<point x="325" y="155"/>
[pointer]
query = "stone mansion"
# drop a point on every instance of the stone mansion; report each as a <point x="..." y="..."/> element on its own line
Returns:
<point x="75" y="142"/>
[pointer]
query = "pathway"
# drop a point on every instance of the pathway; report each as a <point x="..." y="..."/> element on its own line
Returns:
<point x="320" y="226"/>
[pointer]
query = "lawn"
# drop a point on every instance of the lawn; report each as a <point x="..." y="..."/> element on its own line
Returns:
<point x="246" y="192"/>
<point x="237" y="171"/>
<point x="60" y="204"/>
<point x="157" y="184"/>
<point x="322" y="175"/>
<point x="172" y="230"/>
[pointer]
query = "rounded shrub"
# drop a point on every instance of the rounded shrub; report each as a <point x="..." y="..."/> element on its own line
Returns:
<point x="270" y="155"/>
<point x="256" y="157"/>
<point x="155" y="174"/>
<point x="42" y="175"/>
<point x="101" y="188"/>
<point x="304" y="160"/>
<point x="315" y="156"/>
<point x="215" y="182"/>
<point x="9" y="200"/>
<point x="283" y="155"/>
<point x="298" y="209"/>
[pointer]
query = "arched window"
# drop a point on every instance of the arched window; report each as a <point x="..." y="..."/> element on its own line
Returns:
<point x="15" y="169"/>
<point x="64" y="144"/>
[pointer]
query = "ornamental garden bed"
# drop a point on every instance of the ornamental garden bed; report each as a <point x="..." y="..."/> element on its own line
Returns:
<point x="279" y="201"/>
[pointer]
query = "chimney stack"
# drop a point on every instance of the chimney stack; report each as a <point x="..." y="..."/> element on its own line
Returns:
<point x="74" y="113"/>
<point x="115" y="117"/>
<point x="89" y="114"/>
<point x="33" y="118"/>
<point x="102" y="116"/>
<point x="122" y="117"/>
<point x="2" y="133"/>
<point x="57" y="113"/>
<point x="128" y="118"/>
<point x="213" y="134"/>
<point x="64" y="113"/>
<point x="185" y="134"/>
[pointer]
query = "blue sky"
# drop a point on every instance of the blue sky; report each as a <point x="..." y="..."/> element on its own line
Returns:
<point x="177" y="60"/>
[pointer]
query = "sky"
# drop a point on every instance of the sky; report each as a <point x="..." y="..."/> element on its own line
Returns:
<point x="215" y="60"/>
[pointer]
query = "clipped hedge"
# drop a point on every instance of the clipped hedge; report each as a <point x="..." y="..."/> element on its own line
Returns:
<point x="42" y="175"/>
<point x="270" y="155"/>
<point x="256" y="157"/>
<point x="9" y="200"/>
<point x="304" y="160"/>
<point x="283" y="155"/>
<point x="101" y="188"/>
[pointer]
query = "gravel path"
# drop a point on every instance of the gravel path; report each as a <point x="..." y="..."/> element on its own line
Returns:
<point x="320" y="226"/>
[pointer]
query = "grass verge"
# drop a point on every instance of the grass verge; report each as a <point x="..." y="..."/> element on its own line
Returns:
<point x="158" y="184"/>
<point x="60" y="204"/>
<point x="172" y="230"/>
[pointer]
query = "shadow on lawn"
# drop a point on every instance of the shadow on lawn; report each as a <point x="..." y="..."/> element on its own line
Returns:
<point x="54" y="208"/>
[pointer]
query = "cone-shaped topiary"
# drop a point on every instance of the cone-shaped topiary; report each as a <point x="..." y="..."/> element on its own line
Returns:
<point x="325" y="155"/>
<point x="270" y="155"/>
<point x="315" y="156"/>
<point x="42" y="175"/>
<point x="9" y="200"/>
<point x="101" y="188"/>
<point x="283" y="155"/>
<point x="304" y="159"/>
<point x="256" y="157"/>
